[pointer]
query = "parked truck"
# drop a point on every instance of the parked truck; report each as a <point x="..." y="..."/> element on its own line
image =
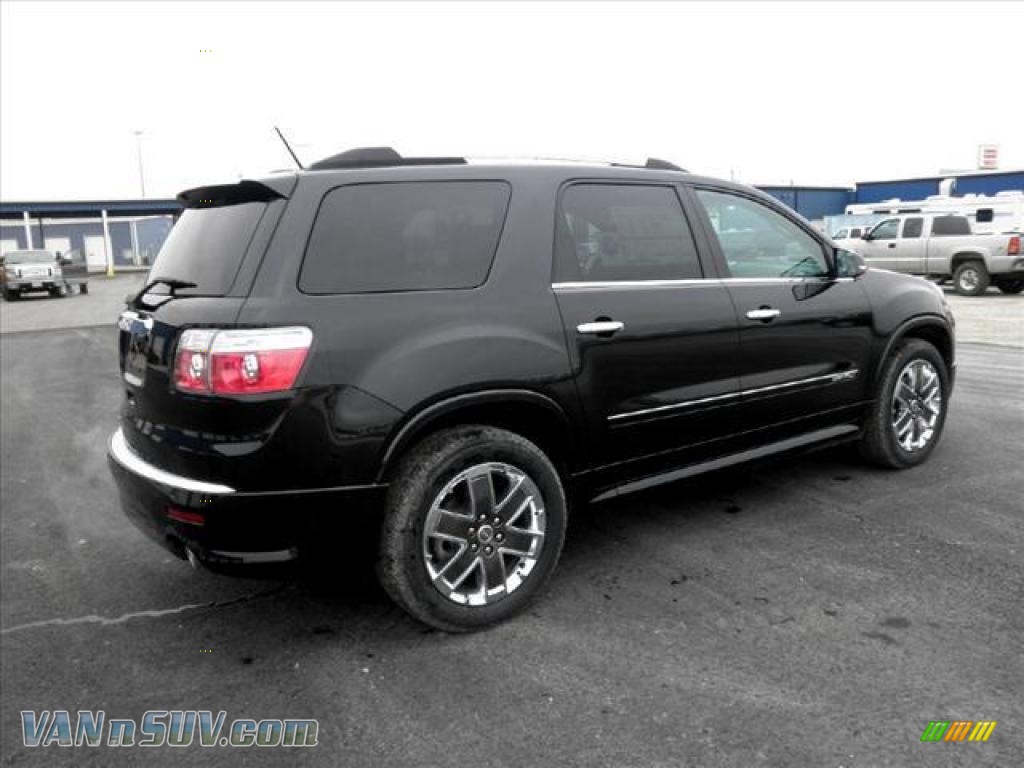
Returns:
<point x="942" y="246"/>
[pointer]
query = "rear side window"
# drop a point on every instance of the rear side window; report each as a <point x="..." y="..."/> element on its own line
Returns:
<point x="950" y="225"/>
<point x="617" y="232"/>
<point x="407" y="236"/>
<point x="206" y="247"/>
<point x="912" y="227"/>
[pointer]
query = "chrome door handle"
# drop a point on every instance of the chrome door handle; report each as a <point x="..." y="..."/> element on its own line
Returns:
<point x="600" y="326"/>
<point x="763" y="314"/>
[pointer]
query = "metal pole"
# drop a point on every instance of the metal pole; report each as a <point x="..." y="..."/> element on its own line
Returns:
<point x="108" y="246"/>
<point x="28" y="229"/>
<point x="138" y="149"/>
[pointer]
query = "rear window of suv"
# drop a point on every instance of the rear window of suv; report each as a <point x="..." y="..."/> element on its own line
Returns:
<point x="404" y="236"/>
<point x="206" y="246"/>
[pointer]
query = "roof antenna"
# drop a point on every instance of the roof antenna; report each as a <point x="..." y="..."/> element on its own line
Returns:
<point x="288" y="147"/>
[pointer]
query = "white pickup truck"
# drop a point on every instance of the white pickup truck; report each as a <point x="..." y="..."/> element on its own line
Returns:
<point x="942" y="246"/>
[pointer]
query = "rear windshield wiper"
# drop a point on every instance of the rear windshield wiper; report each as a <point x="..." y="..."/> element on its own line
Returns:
<point x="172" y="283"/>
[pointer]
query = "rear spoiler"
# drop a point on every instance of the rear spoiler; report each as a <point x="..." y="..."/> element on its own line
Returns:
<point x="233" y="194"/>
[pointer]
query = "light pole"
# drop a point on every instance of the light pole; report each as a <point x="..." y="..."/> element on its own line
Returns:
<point x="138" y="150"/>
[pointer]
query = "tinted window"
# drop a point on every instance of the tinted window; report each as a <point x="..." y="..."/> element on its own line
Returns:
<point x="759" y="242"/>
<point x="612" y="232"/>
<point x="410" y="236"/>
<point x="950" y="225"/>
<point x="887" y="230"/>
<point x="206" y="247"/>
<point x="984" y="215"/>
<point x="912" y="227"/>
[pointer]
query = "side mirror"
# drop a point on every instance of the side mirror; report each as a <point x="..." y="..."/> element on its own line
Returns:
<point x="850" y="264"/>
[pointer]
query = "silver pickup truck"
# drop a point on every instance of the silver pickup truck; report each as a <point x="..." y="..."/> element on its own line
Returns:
<point x="942" y="246"/>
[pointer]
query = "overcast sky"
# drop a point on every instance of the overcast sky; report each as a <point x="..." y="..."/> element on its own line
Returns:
<point x="823" y="93"/>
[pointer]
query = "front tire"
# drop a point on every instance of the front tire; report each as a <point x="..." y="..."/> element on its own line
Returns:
<point x="474" y="525"/>
<point x="971" y="279"/>
<point x="906" y="419"/>
<point x="83" y="288"/>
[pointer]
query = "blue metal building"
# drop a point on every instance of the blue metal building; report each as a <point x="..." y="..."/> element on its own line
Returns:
<point x="920" y="188"/>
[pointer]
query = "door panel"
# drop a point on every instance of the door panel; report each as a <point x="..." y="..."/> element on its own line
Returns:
<point x="880" y="250"/>
<point x="652" y="342"/>
<point x="909" y="249"/>
<point x="810" y="357"/>
<point x="804" y="336"/>
<point x="667" y="379"/>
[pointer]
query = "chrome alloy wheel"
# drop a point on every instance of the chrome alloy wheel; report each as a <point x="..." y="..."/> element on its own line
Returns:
<point x="969" y="279"/>
<point x="483" y="534"/>
<point x="916" y="405"/>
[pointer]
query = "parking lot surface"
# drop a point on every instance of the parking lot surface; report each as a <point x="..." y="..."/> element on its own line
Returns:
<point x="808" y="611"/>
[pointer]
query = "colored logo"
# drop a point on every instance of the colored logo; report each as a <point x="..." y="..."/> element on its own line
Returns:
<point x="958" y="730"/>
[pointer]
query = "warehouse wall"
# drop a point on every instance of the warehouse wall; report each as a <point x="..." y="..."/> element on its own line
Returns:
<point x="917" y="189"/>
<point x="813" y="203"/>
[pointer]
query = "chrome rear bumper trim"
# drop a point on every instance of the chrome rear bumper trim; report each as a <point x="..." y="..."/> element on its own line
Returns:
<point x="128" y="459"/>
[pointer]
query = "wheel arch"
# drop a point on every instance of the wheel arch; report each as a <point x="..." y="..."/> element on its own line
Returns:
<point x="964" y="256"/>
<point x="932" y="329"/>
<point x="531" y="414"/>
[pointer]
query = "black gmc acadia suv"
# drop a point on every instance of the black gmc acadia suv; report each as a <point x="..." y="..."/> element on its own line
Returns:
<point x="470" y="347"/>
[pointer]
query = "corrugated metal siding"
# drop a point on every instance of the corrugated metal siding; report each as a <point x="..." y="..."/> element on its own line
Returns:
<point x="913" y="189"/>
<point x="812" y="202"/>
<point x="989" y="184"/>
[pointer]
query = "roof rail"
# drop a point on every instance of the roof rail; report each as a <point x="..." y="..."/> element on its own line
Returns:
<point x="378" y="157"/>
<point x="654" y="164"/>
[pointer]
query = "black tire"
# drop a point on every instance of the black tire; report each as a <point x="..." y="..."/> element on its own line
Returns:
<point x="879" y="443"/>
<point x="422" y="476"/>
<point x="1010" y="286"/>
<point x="971" y="278"/>
<point x="10" y="295"/>
<point x="83" y="288"/>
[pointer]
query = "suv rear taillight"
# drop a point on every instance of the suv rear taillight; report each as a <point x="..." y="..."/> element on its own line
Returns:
<point x="240" y="362"/>
<point x="1013" y="249"/>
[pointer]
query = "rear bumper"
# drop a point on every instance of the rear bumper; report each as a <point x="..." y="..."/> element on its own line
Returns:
<point x="221" y="526"/>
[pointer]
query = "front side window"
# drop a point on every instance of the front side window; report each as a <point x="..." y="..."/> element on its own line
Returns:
<point x="887" y="230"/>
<point x="842" y="234"/>
<point x="618" y="232"/>
<point x="406" y="236"/>
<point x="912" y="227"/>
<point x="757" y="241"/>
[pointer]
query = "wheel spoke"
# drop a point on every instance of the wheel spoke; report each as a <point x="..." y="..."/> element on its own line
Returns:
<point x="903" y="423"/>
<point x="494" y="572"/>
<point x="481" y="494"/>
<point x="456" y="570"/>
<point x="519" y="540"/>
<point x="452" y="526"/>
<point x="514" y="500"/>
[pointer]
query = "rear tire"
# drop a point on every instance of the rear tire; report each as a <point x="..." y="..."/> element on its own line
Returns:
<point x="1010" y="286"/>
<point x="900" y="430"/>
<point x="83" y="288"/>
<point x="456" y="555"/>
<point x="971" y="278"/>
<point x="10" y="295"/>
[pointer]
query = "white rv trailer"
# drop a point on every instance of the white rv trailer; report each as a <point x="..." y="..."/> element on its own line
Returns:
<point x="998" y="213"/>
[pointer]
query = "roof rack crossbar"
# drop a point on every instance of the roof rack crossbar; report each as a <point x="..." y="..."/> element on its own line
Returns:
<point x="378" y="157"/>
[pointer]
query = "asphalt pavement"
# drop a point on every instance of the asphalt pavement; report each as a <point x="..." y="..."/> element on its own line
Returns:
<point x="810" y="611"/>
